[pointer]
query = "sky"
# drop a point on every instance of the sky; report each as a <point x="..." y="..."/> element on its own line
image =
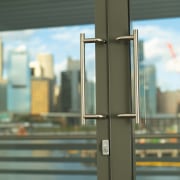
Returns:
<point x="157" y="35"/>
<point x="63" y="42"/>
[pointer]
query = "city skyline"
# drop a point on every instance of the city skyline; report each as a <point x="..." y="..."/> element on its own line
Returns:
<point x="18" y="84"/>
<point x="63" y="42"/>
<point x="34" y="93"/>
<point x="51" y="41"/>
<point x="148" y="57"/>
<point x="157" y="34"/>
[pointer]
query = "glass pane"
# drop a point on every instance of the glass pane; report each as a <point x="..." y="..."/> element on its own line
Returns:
<point x="157" y="138"/>
<point x="41" y="135"/>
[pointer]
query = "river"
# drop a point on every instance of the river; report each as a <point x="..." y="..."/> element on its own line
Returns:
<point x="60" y="166"/>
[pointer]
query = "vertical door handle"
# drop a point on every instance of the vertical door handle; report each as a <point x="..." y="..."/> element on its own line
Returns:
<point x="133" y="37"/>
<point x="83" y="41"/>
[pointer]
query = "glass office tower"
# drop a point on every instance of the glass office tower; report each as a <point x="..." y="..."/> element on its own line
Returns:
<point x="18" y="82"/>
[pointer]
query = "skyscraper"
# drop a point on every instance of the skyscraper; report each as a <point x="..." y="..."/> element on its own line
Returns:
<point x="73" y="65"/>
<point x="36" y="69"/>
<point x="168" y="102"/>
<point x="18" y="82"/>
<point x="70" y="91"/>
<point x="45" y="70"/>
<point x="141" y="51"/>
<point x="1" y="59"/>
<point x="46" y="63"/>
<point x="3" y="95"/>
<point x="148" y="90"/>
<point x="147" y="86"/>
<point x="70" y="95"/>
<point x="90" y="97"/>
<point x="41" y="95"/>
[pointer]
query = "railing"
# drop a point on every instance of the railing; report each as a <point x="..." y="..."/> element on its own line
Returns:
<point x="159" y="153"/>
<point x="81" y="149"/>
<point x="44" y="145"/>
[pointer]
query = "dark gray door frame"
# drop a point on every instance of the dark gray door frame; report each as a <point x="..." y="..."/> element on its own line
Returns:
<point x="102" y="90"/>
<point x="113" y="90"/>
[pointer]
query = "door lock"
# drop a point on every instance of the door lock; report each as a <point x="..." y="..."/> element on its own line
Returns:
<point x="105" y="147"/>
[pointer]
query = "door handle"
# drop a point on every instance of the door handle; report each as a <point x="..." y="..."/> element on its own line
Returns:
<point x="83" y="41"/>
<point x="133" y="37"/>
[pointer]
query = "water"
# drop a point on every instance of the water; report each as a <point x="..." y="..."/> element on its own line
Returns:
<point x="159" y="177"/>
<point x="61" y="166"/>
<point x="67" y="166"/>
<point x="42" y="165"/>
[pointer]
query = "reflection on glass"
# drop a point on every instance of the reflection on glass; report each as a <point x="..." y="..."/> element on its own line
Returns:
<point x="40" y="78"/>
<point x="159" y="70"/>
<point x="157" y="139"/>
<point x="40" y="104"/>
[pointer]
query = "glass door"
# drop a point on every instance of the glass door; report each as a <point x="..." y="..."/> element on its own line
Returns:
<point x="157" y="139"/>
<point x="67" y="116"/>
<point x="42" y="135"/>
<point x="41" y="132"/>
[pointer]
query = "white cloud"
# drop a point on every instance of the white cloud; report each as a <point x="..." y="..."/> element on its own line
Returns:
<point x="9" y="47"/>
<point x="151" y="31"/>
<point x="62" y="36"/>
<point x="43" y="48"/>
<point x="72" y="35"/>
<point x="157" y="52"/>
<point x="61" y="66"/>
<point x="21" y="48"/>
<point x="156" y="41"/>
<point x="16" y="35"/>
<point x="36" y="46"/>
<point x="173" y="65"/>
<point x="156" y="49"/>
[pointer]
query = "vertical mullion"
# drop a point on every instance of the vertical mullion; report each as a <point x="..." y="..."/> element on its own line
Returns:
<point x="102" y="100"/>
<point x="121" y="159"/>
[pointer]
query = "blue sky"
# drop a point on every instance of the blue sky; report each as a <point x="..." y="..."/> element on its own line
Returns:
<point x="64" y="41"/>
<point x="156" y="35"/>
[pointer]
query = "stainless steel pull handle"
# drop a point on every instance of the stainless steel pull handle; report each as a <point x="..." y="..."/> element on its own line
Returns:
<point x="83" y="41"/>
<point x="133" y="37"/>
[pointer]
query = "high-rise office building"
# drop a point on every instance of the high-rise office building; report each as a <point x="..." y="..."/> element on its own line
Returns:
<point x="168" y="102"/>
<point x="70" y="91"/>
<point x="90" y="95"/>
<point x="44" y="69"/>
<point x="69" y="100"/>
<point x="46" y="63"/>
<point x="18" y="82"/>
<point x="73" y="65"/>
<point x="41" y="95"/>
<point x="141" y="51"/>
<point x="147" y="85"/>
<point x="3" y="95"/>
<point x="148" y="90"/>
<point x="42" y="77"/>
<point x="1" y="59"/>
<point x="56" y="100"/>
<point x="36" y="69"/>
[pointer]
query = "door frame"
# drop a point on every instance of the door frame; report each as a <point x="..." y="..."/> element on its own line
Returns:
<point x="113" y="91"/>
